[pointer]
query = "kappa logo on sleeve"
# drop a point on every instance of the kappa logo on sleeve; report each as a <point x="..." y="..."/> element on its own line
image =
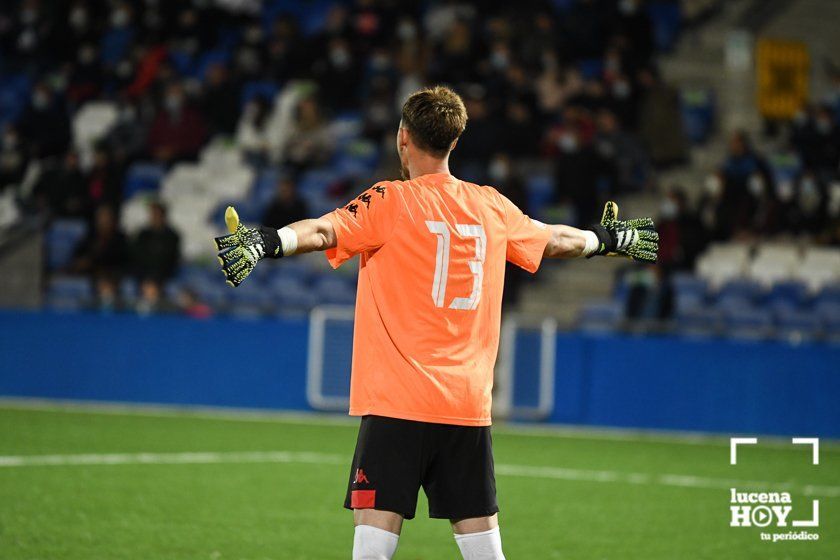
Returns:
<point x="365" y="198"/>
<point x="381" y="190"/>
<point x="353" y="208"/>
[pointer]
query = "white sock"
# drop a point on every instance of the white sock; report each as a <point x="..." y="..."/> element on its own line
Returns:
<point x="371" y="543"/>
<point x="486" y="545"/>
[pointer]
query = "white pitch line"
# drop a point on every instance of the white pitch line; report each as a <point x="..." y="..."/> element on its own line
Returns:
<point x="315" y="458"/>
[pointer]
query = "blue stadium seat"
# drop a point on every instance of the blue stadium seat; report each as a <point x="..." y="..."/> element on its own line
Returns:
<point x="71" y="293"/>
<point x="744" y="322"/>
<point x="114" y="44"/>
<point x="318" y="181"/>
<point x="666" y="19"/>
<point x="540" y="191"/>
<point x="698" y="113"/>
<point x="828" y="295"/>
<point x="829" y="314"/>
<point x="698" y="321"/>
<point x="739" y="294"/>
<point x="265" y="89"/>
<point x="143" y="177"/>
<point x="598" y="317"/>
<point x="62" y="238"/>
<point x="129" y="290"/>
<point x="334" y="289"/>
<point x="14" y="93"/>
<point x="784" y="166"/>
<point x="591" y="68"/>
<point x="689" y="291"/>
<point x="788" y="295"/>
<point x="794" y="323"/>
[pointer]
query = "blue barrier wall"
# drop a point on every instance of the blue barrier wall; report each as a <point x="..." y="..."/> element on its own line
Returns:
<point x="154" y="360"/>
<point x="611" y="380"/>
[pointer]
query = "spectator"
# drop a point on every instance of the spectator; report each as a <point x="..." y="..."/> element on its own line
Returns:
<point x="178" y="130"/>
<point x="107" y="294"/>
<point x="104" y="252"/>
<point x="61" y="190"/>
<point x="310" y="142"/>
<point x="221" y="94"/>
<point x="45" y="126"/>
<point x="157" y="247"/>
<point x="12" y="158"/>
<point x="151" y="300"/>
<point x="287" y="206"/>
<point x="660" y="120"/>
<point x="253" y="133"/>
<point x="193" y="307"/>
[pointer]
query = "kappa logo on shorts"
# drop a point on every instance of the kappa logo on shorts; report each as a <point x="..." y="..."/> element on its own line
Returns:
<point x="360" y="477"/>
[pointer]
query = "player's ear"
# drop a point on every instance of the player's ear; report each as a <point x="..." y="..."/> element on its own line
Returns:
<point x="403" y="138"/>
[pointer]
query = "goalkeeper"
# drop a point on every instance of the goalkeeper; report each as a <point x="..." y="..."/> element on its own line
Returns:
<point x="428" y="309"/>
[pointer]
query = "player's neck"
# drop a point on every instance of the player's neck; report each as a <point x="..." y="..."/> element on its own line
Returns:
<point x="428" y="166"/>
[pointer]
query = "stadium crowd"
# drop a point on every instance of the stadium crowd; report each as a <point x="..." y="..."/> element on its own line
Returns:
<point x="568" y="84"/>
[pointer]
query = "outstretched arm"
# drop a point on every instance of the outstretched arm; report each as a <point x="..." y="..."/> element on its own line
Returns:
<point x="636" y="239"/>
<point x="240" y="250"/>
<point x="316" y="234"/>
<point x="568" y="242"/>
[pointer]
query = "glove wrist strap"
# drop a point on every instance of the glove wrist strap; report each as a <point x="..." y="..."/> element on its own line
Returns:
<point x="606" y="243"/>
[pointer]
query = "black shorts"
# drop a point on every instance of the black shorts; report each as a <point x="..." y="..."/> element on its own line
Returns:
<point x="394" y="458"/>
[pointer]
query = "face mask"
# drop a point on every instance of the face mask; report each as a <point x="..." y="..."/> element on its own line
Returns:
<point x="756" y="186"/>
<point x="499" y="170"/>
<point x="87" y="55"/>
<point x="568" y="142"/>
<point x="499" y="60"/>
<point x="713" y="185"/>
<point x="339" y="57"/>
<point x="406" y="30"/>
<point x="119" y="18"/>
<point x="621" y="89"/>
<point x="809" y="196"/>
<point x="173" y="103"/>
<point x="28" y="16"/>
<point x="823" y="126"/>
<point x="668" y="209"/>
<point x="40" y="100"/>
<point x="785" y="191"/>
<point x="78" y="18"/>
<point x="627" y="7"/>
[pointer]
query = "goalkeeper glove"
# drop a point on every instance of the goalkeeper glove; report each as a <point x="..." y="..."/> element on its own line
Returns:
<point x="636" y="239"/>
<point x="240" y="251"/>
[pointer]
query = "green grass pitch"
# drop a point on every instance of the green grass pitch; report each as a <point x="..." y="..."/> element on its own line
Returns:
<point x="564" y="495"/>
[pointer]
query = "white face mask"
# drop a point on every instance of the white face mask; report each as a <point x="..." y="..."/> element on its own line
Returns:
<point x="713" y="186"/>
<point x="621" y="89"/>
<point x="568" y="142"/>
<point x="824" y="125"/>
<point x="785" y="191"/>
<point x="78" y="18"/>
<point x="499" y="170"/>
<point x="668" y="210"/>
<point x="339" y="57"/>
<point x="119" y="18"/>
<point x="756" y="185"/>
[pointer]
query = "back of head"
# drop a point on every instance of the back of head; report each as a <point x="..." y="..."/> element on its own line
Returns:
<point x="435" y="118"/>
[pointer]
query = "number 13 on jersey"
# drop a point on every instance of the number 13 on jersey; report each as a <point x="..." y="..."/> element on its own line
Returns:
<point x="442" y="263"/>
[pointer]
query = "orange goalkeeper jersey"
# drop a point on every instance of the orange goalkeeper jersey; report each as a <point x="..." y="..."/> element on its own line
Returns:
<point x="429" y="301"/>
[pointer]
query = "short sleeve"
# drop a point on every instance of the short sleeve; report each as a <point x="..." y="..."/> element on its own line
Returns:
<point x="526" y="238"/>
<point x="365" y="224"/>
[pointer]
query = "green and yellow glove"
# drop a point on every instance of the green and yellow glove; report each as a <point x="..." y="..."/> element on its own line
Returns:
<point x="240" y="251"/>
<point x="636" y="239"/>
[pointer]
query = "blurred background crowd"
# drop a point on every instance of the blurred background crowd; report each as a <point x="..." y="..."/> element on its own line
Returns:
<point x="127" y="127"/>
